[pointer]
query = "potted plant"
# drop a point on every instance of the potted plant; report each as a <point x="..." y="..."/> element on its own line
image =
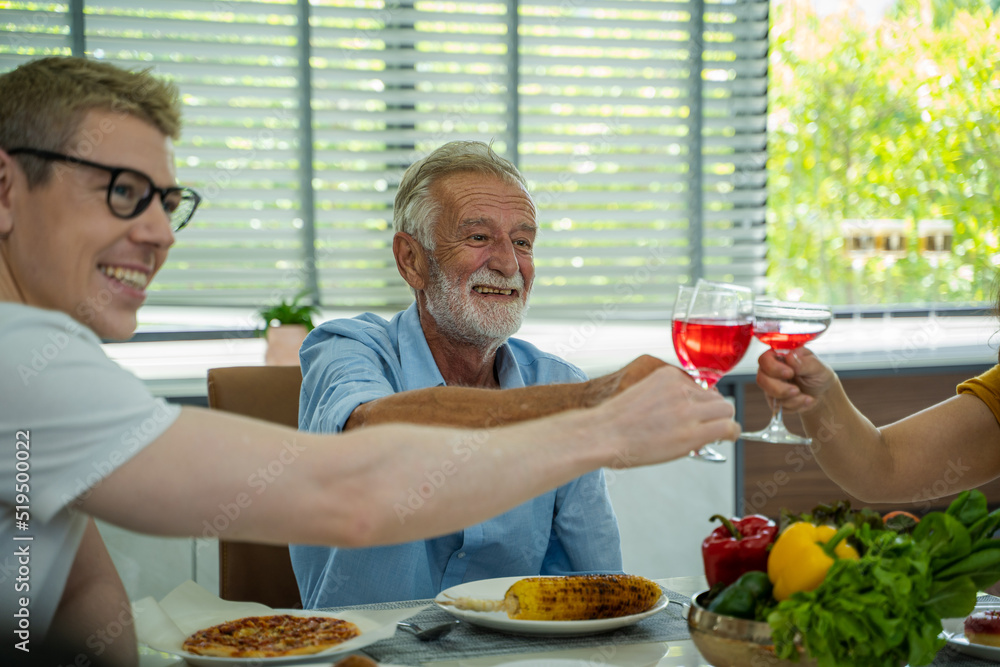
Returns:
<point x="285" y="327"/>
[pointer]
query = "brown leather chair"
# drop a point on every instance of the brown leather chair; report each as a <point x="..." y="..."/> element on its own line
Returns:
<point x="257" y="572"/>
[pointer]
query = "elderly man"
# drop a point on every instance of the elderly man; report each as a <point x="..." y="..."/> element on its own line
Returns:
<point x="89" y="206"/>
<point x="465" y="235"/>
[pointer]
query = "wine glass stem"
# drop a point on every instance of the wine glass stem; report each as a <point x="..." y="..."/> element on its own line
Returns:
<point x="706" y="452"/>
<point x="777" y="421"/>
<point x="776" y="418"/>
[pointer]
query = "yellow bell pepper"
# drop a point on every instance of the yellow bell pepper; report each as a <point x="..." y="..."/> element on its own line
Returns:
<point x="802" y="555"/>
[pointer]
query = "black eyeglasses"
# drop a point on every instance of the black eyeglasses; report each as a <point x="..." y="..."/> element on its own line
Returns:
<point x="130" y="192"/>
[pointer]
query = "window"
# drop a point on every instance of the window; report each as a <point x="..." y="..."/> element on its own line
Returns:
<point x="640" y="125"/>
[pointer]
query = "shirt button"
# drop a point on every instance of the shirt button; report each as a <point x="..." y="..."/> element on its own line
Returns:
<point x="461" y="554"/>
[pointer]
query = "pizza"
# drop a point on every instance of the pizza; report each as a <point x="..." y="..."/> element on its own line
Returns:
<point x="271" y="636"/>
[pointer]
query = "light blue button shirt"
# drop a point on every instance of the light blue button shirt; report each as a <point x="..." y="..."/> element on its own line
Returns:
<point x="569" y="530"/>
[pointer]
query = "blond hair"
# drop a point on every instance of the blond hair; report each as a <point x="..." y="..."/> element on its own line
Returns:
<point x="415" y="210"/>
<point x="43" y="103"/>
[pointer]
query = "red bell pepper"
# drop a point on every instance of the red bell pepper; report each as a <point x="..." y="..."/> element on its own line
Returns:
<point x="737" y="546"/>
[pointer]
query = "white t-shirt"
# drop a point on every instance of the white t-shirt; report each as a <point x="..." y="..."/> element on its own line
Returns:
<point x="69" y="416"/>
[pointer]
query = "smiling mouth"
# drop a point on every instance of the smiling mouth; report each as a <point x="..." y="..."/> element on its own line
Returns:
<point x="128" y="277"/>
<point x="493" y="290"/>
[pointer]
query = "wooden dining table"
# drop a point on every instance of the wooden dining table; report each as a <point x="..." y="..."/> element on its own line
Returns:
<point x="640" y="645"/>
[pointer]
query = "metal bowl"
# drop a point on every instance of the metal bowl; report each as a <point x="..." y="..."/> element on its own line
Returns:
<point x="727" y="641"/>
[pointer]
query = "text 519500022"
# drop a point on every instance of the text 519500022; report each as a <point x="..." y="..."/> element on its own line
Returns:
<point x="22" y="540"/>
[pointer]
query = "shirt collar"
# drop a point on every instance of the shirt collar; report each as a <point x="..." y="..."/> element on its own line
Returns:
<point x="419" y="368"/>
<point x="508" y="372"/>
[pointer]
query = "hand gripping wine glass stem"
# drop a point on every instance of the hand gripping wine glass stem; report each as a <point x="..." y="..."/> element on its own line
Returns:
<point x="785" y="327"/>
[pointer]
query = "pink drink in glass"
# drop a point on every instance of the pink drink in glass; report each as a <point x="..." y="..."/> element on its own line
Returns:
<point x="710" y="349"/>
<point x="783" y="342"/>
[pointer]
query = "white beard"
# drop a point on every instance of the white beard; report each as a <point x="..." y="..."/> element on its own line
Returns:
<point x="461" y="317"/>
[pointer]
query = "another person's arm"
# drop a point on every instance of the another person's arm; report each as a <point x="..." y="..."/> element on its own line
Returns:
<point x="94" y="615"/>
<point x="357" y="489"/>
<point x="473" y="407"/>
<point x="948" y="447"/>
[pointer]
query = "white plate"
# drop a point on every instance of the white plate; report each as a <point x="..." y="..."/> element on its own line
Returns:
<point x="963" y="645"/>
<point x="365" y="625"/>
<point x="494" y="589"/>
<point x="954" y="634"/>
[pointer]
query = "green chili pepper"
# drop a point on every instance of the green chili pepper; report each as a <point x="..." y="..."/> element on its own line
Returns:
<point x="740" y="599"/>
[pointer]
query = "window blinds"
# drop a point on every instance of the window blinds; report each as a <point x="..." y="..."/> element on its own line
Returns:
<point x="640" y="125"/>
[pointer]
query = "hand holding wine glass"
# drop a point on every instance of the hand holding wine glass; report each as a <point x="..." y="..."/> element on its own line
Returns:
<point x="711" y="331"/>
<point x="785" y="326"/>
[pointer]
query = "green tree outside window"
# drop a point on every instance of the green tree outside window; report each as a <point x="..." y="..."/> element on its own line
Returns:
<point x="878" y="132"/>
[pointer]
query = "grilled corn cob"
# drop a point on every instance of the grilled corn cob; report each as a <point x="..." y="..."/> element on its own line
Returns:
<point x="572" y="598"/>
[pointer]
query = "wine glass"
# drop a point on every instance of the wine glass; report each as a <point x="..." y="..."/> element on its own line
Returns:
<point x="712" y="329"/>
<point x="785" y="326"/>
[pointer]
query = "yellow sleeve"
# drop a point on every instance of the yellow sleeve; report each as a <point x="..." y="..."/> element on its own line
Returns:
<point x="986" y="387"/>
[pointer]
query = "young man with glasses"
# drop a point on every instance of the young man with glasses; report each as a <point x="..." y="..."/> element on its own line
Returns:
<point x="89" y="205"/>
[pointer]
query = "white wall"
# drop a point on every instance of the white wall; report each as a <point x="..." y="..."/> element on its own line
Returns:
<point x="156" y="565"/>
<point x="663" y="513"/>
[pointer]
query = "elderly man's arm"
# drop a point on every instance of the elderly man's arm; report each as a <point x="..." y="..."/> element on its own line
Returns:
<point x="473" y="407"/>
